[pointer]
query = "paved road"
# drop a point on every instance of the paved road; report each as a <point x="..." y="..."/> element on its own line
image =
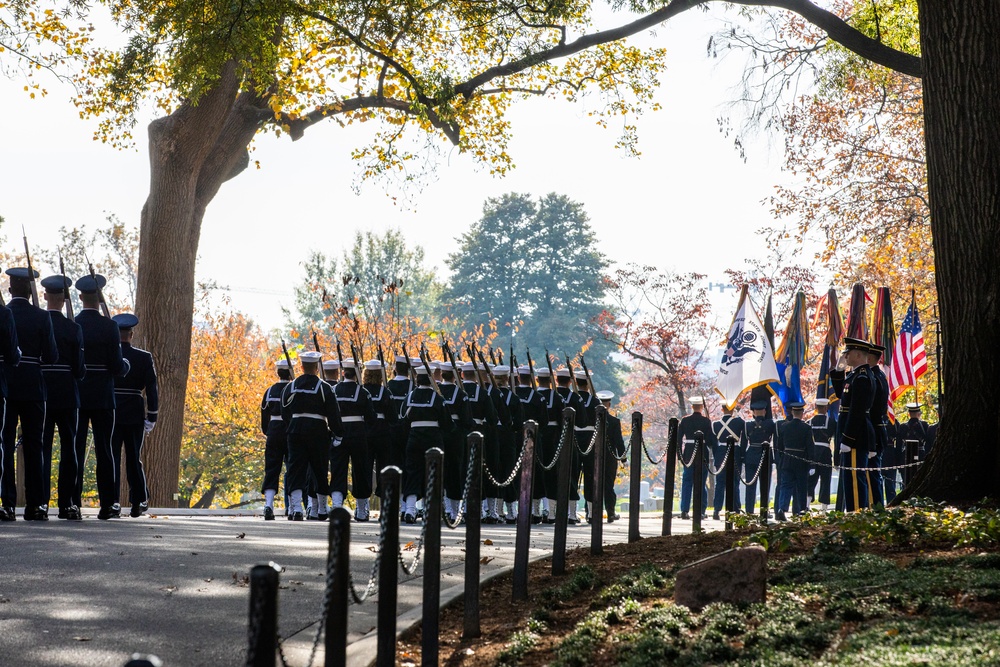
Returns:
<point x="91" y="593"/>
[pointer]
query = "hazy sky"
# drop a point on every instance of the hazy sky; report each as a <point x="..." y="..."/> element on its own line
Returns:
<point x="689" y="203"/>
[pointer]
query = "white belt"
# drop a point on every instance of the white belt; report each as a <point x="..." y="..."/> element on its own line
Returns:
<point x="455" y="417"/>
<point x="479" y="421"/>
<point x="275" y="419"/>
<point x="56" y="367"/>
<point x="380" y="415"/>
<point x="584" y="428"/>
<point x="308" y="415"/>
<point x="352" y="419"/>
<point x="424" y="424"/>
<point x="553" y="423"/>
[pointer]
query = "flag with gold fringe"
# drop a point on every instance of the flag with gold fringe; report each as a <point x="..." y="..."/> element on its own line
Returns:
<point x="748" y="360"/>
<point x="790" y="356"/>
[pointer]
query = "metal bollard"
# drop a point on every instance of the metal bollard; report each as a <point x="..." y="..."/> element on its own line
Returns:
<point x="434" y="462"/>
<point x="562" y="496"/>
<point x="668" y="476"/>
<point x="765" y="480"/>
<point x="912" y="456"/>
<point x="336" y="615"/>
<point x="732" y="488"/>
<point x="263" y="626"/>
<point x="698" y="470"/>
<point x="597" y="494"/>
<point x="634" y="478"/>
<point x="470" y="626"/>
<point x="523" y="538"/>
<point x="388" y="570"/>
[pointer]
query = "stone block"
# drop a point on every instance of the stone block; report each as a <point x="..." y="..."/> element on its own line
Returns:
<point x="736" y="576"/>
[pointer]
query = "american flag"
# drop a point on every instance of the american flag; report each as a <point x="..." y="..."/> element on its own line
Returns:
<point x="909" y="360"/>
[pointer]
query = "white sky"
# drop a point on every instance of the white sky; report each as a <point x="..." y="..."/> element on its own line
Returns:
<point x="690" y="203"/>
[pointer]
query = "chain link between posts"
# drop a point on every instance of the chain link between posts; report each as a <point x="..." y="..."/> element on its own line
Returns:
<point x="428" y="490"/>
<point x="815" y="464"/>
<point x="722" y="466"/>
<point x="465" y="492"/>
<point x="513" y="473"/>
<point x="562" y="440"/>
<point x="756" y="475"/>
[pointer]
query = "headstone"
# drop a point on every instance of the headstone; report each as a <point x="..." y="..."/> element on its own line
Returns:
<point x="643" y="490"/>
<point x="736" y="576"/>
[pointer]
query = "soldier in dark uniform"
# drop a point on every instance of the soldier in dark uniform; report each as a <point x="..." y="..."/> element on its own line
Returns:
<point x="891" y="457"/>
<point x="824" y="428"/>
<point x="309" y="408"/>
<point x="63" y="398"/>
<point x="456" y="459"/>
<point x="534" y="408"/>
<point x="729" y="426"/>
<point x="428" y="421"/>
<point x="484" y="415"/>
<point x="855" y="434"/>
<point x="102" y="354"/>
<point x="760" y="434"/>
<point x="26" y="400"/>
<point x="379" y="435"/>
<point x="572" y="399"/>
<point x="10" y="353"/>
<point x="689" y="425"/>
<point x="615" y="444"/>
<point x="276" y="443"/>
<point x="508" y="434"/>
<point x="399" y="387"/>
<point x="914" y="429"/>
<point x="550" y="432"/>
<point x="358" y="415"/>
<point x="880" y="419"/>
<point x="137" y="402"/>
<point x="796" y="446"/>
<point x="331" y="371"/>
<point x="584" y="435"/>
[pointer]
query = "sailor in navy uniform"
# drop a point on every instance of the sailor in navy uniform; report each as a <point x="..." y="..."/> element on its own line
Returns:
<point x="583" y="435"/>
<point x="760" y="435"/>
<point x="615" y="444"/>
<point x="399" y="387"/>
<point x="276" y="442"/>
<point x="331" y="371"/>
<point x="824" y="428"/>
<point x="379" y="435"/>
<point x="534" y="408"/>
<point x="689" y="425"/>
<point x="62" y="396"/>
<point x="309" y="410"/>
<point x="855" y="434"/>
<point x="796" y="448"/>
<point x="358" y="415"/>
<point x="508" y="434"/>
<point x="484" y="415"/>
<point x="729" y="426"/>
<point x="880" y="420"/>
<point x="10" y="354"/>
<point x="545" y="455"/>
<point x="26" y="399"/>
<point x="456" y="458"/>
<point x="429" y="421"/>
<point x="493" y="503"/>
<point x="137" y="402"/>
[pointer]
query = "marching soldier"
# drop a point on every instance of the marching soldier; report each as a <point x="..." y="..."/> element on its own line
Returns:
<point x="357" y="415"/>
<point x="26" y="401"/>
<point x="534" y="408"/>
<point x="331" y="371"/>
<point x="915" y="429"/>
<point x="484" y="416"/>
<point x="309" y="408"/>
<point x="855" y="434"/>
<point x="584" y="435"/>
<point x="824" y="428"/>
<point x="399" y="387"/>
<point x="879" y="418"/>
<point x="10" y="353"/>
<point x="428" y="421"/>
<point x="508" y="434"/>
<point x="689" y="425"/>
<point x="616" y="448"/>
<point x="379" y="435"/>
<point x="760" y="434"/>
<point x="137" y="401"/>
<point x="276" y="442"/>
<point x="493" y="507"/>
<point x="729" y="426"/>
<point x="572" y="399"/>
<point x="891" y="457"/>
<point x="63" y="398"/>
<point x="102" y="354"/>
<point x="549" y="434"/>
<point x="795" y="444"/>
<point x="456" y="459"/>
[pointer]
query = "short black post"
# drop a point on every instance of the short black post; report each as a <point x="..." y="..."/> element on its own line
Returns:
<point x="470" y="625"/>
<point x="765" y="480"/>
<point x="562" y="496"/>
<point x="336" y="615"/>
<point x="635" y="478"/>
<point x="668" y="476"/>
<point x="263" y="626"/>
<point x="698" y="468"/>
<point x="597" y="493"/>
<point x="523" y="539"/>
<point x="388" y="570"/>
<point x="434" y="462"/>
<point x="912" y="456"/>
<point x="732" y="488"/>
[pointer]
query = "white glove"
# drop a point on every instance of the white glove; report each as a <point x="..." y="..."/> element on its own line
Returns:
<point x="844" y="449"/>
<point x="147" y="425"/>
<point x="872" y="455"/>
<point x="812" y="471"/>
<point x="337" y="441"/>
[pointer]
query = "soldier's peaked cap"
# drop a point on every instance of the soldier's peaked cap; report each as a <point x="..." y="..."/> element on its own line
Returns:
<point x="913" y="407"/>
<point x="796" y="405"/>
<point x="856" y="344"/>
<point x="125" y="321"/>
<point x="759" y="405"/>
<point x="56" y="284"/>
<point x="22" y="273"/>
<point x="90" y="284"/>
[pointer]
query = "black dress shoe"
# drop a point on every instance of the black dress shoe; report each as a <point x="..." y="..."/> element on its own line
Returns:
<point x="7" y="514"/>
<point x="63" y="513"/>
<point x="296" y="516"/>
<point x="613" y="517"/>
<point x="73" y="513"/>
<point x="715" y="515"/>
<point x="138" y="509"/>
<point x="29" y="514"/>
<point x="105" y="513"/>
<point x="511" y="520"/>
<point x="268" y="514"/>
<point x="409" y="518"/>
<point x="685" y="516"/>
<point x="42" y="514"/>
<point x="535" y="519"/>
<point x="573" y="520"/>
<point x="116" y="511"/>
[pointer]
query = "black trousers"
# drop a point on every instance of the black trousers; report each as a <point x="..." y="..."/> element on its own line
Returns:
<point x="491" y="462"/>
<point x="102" y="423"/>
<point x="352" y="450"/>
<point x="379" y="447"/>
<point x="65" y="421"/>
<point x="31" y="416"/>
<point x="305" y="453"/>
<point x="509" y="453"/>
<point x="275" y="454"/>
<point x="129" y="437"/>
<point x="823" y="474"/>
<point x="547" y="455"/>
<point x="456" y="464"/>
<point x="420" y="440"/>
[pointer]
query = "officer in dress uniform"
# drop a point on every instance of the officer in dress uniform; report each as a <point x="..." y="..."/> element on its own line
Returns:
<point x="914" y="429"/>
<point x="824" y="428"/>
<point x="572" y="399"/>
<point x="689" y="425"/>
<point x="63" y="398"/>
<point x="855" y="434"/>
<point x="358" y="415"/>
<point x="508" y="435"/>
<point x="10" y="353"/>
<point x="428" y="421"/>
<point x="309" y="408"/>
<point x="891" y="457"/>
<point x="26" y="402"/>
<point x="616" y="448"/>
<point x="880" y="419"/>
<point x="760" y="434"/>
<point x="102" y="354"/>
<point x="729" y="426"/>
<point x="137" y="402"/>
<point x="276" y="442"/>
<point x="379" y="435"/>
<point x="550" y="431"/>
<point x="456" y="459"/>
<point x="796" y="448"/>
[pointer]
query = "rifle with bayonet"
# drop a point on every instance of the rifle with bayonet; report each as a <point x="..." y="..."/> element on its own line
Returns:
<point x="572" y="377"/>
<point x="31" y="271"/>
<point x="385" y="370"/>
<point x="100" y="291"/>
<point x="493" y="357"/>
<point x="430" y="373"/>
<point x="475" y="366"/>
<point x="340" y="358"/>
<point x="531" y="369"/>
<point x="450" y="356"/>
<point x="67" y="299"/>
<point x="358" y="363"/>
<point x="288" y="359"/>
<point x="552" y="373"/>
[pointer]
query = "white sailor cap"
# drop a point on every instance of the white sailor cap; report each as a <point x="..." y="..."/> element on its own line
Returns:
<point x="349" y="363"/>
<point x="913" y="407"/>
<point x="373" y="365"/>
<point x="501" y="370"/>
<point x="580" y="374"/>
<point x="524" y="370"/>
<point x="420" y="370"/>
<point x="281" y="363"/>
<point x="822" y="401"/>
<point x="543" y="372"/>
<point x="310" y="357"/>
<point x="562" y="373"/>
<point x="466" y="367"/>
<point x="331" y="365"/>
<point x="605" y="395"/>
<point x="415" y="362"/>
<point x="697" y="400"/>
<point x="400" y="359"/>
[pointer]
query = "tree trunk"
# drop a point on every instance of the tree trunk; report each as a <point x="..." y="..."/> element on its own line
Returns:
<point x="961" y="107"/>
<point x="191" y="152"/>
